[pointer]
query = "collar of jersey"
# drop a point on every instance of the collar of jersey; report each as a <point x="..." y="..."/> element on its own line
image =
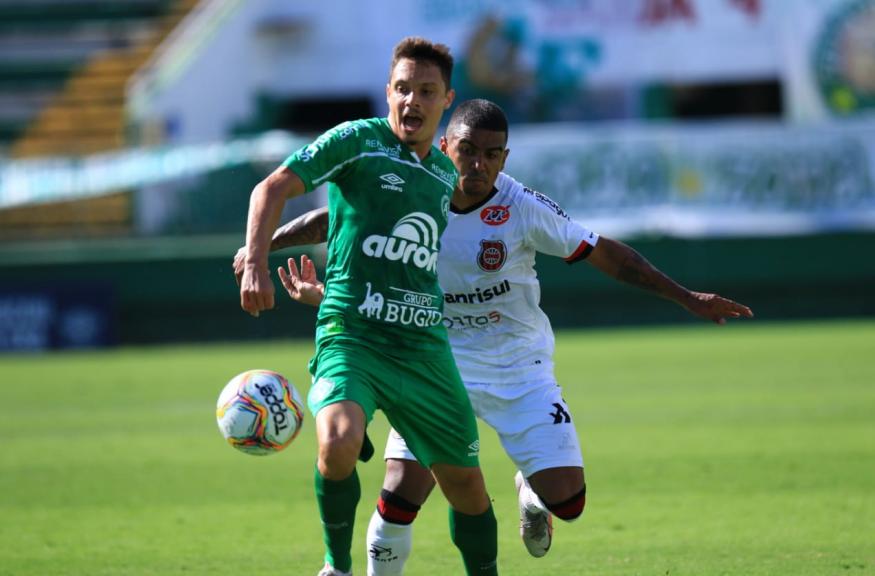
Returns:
<point x="475" y="206"/>
<point x="385" y="123"/>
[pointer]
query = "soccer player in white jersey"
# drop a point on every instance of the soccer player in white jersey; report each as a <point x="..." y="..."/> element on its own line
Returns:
<point x="502" y="341"/>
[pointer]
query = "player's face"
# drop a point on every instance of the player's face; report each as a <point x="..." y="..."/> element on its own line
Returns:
<point x="479" y="156"/>
<point x="417" y="98"/>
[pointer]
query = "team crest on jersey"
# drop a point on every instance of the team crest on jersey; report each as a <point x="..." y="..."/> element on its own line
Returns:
<point x="495" y="215"/>
<point x="492" y="255"/>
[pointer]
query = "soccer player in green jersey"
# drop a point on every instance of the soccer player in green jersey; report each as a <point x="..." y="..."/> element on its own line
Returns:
<point x="380" y="340"/>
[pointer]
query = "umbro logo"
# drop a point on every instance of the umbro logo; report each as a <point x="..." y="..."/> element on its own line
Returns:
<point x="474" y="448"/>
<point x="392" y="182"/>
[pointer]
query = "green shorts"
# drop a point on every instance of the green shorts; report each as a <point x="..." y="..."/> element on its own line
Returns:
<point x="425" y="401"/>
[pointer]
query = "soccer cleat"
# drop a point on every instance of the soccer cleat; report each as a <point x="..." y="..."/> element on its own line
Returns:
<point x="329" y="570"/>
<point x="536" y="525"/>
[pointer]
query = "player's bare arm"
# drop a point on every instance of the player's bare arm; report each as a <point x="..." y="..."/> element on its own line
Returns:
<point x="624" y="263"/>
<point x="308" y="228"/>
<point x="265" y="209"/>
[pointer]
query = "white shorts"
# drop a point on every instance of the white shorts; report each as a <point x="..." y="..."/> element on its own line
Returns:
<point x="535" y="427"/>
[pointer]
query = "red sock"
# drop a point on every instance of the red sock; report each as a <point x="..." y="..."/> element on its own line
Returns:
<point x="395" y="509"/>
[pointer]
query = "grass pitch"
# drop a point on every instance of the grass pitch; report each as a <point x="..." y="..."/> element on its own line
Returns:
<point x="747" y="449"/>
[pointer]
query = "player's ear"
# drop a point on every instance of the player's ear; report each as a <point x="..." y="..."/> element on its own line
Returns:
<point x="444" y="144"/>
<point x="388" y="88"/>
<point x="451" y="95"/>
<point x="504" y="158"/>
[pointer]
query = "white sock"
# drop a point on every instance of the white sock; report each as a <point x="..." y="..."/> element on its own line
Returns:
<point x="388" y="546"/>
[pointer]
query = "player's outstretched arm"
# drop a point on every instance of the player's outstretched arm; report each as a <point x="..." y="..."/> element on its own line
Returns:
<point x="308" y="228"/>
<point x="625" y="264"/>
<point x="303" y="286"/>
<point x="265" y="209"/>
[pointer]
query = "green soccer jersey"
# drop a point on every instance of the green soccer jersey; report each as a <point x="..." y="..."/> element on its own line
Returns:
<point x="387" y="210"/>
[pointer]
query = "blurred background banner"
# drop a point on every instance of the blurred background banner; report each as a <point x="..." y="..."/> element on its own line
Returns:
<point x="42" y="180"/>
<point x="40" y="317"/>
<point x="703" y="180"/>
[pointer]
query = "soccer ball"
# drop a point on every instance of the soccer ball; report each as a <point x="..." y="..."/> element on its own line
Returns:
<point x="259" y="412"/>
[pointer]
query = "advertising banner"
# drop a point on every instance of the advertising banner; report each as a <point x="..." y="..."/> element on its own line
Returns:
<point x="741" y="180"/>
<point x="37" y="318"/>
<point x="694" y="180"/>
<point x="548" y="61"/>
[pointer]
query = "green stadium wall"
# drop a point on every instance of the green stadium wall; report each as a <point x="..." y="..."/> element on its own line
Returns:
<point x="173" y="290"/>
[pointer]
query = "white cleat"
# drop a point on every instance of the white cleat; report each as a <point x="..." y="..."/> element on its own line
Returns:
<point x="536" y="525"/>
<point x="329" y="570"/>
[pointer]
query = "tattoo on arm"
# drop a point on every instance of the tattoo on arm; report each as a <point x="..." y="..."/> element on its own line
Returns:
<point x="637" y="271"/>
<point x="309" y="228"/>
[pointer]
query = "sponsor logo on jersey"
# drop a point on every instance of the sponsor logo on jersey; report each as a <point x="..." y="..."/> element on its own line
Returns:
<point x="392" y="182"/>
<point x="495" y="215"/>
<point x="372" y="305"/>
<point x="413" y="240"/>
<point x="446" y="176"/>
<point x="403" y="307"/>
<point x="492" y="255"/>
<point x="472" y="321"/>
<point x="390" y="151"/>
<point x="342" y="131"/>
<point x="478" y="296"/>
<point x="548" y="202"/>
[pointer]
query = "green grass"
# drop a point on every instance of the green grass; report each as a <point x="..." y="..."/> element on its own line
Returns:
<point x="747" y="449"/>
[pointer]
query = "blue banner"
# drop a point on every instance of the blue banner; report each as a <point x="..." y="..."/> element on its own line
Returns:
<point x="34" y="318"/>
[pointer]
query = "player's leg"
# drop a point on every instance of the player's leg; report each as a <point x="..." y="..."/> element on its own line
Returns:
<point x="406" y="486"/>
<point x="343" y="403"/>
<point x="562" y="490"/>
<point x="340" y="430"/>
<point x="537" y="432"/>
<point x="438" y="424"/>
<point x="473" y="527"/>
<point x="559" y="492"/>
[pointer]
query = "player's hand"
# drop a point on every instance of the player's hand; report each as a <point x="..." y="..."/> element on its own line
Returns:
<point x="716" y="308"/>
<point x="303" y="286"/>
<point x="239" y="262"/>
<point x="256" y="289"/>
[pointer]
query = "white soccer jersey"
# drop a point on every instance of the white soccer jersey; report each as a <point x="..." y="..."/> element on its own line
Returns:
<point x="486" y="269"/>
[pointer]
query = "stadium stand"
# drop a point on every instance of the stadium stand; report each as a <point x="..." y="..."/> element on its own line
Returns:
<point x="74" y="57"/>
<point x="64" y="65"/>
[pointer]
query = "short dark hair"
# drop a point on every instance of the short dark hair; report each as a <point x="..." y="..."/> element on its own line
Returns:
<point x="478" y="114"/>
<point x="416" y="48"/>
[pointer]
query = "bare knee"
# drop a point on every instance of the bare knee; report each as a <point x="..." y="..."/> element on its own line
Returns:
<point x="463" y="487"/>
<point x="562" y="490"/>
<point x="340" y="429"/>
<point x="409" y="480"/>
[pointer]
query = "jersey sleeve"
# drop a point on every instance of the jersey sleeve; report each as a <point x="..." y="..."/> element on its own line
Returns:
<point x="553" y="232"/>
<point x="327" y="158"/>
